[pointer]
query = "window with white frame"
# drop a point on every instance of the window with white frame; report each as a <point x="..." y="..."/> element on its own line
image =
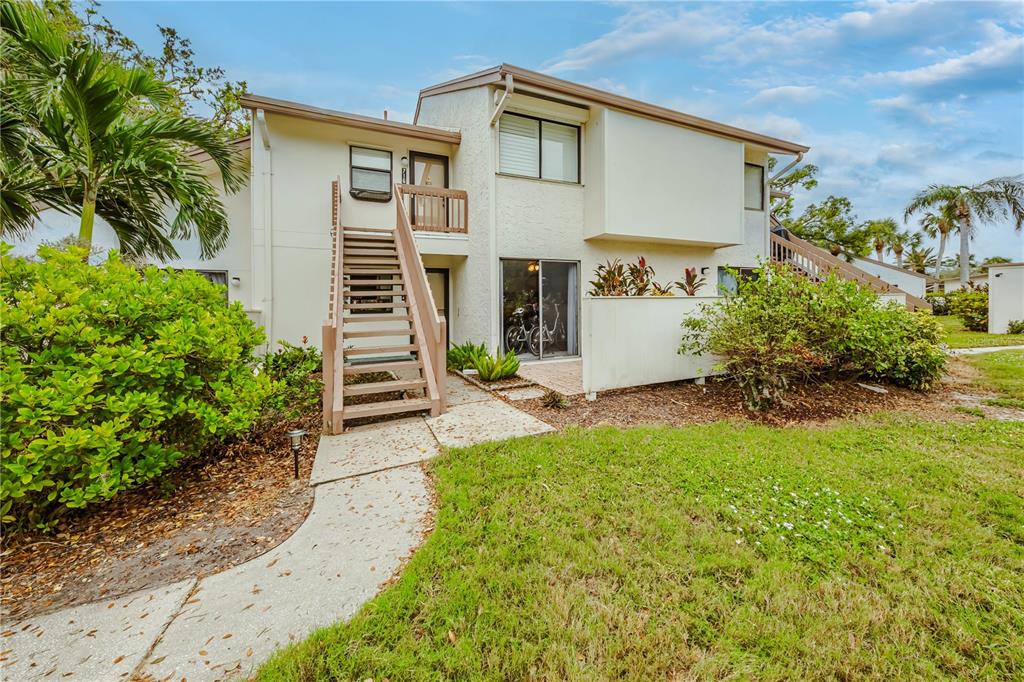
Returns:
<point x="753" y="187"/>
<point x="538" y="148"/>
<point x="370" y="173"/>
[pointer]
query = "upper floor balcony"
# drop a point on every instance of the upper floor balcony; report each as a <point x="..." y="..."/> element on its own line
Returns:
<point x="439" y="217"/>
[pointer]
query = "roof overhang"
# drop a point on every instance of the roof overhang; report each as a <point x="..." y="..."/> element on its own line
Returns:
<point x="286" y="108"/>
<point x="526" y="80"/>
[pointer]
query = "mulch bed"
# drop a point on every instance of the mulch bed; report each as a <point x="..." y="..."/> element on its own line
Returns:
<point x="681" y="403"/>
<point x="212" y="513"/>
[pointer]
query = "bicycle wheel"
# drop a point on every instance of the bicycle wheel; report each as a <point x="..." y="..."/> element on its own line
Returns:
<point x="534" y="341"/>
<point x="515" y="340"/>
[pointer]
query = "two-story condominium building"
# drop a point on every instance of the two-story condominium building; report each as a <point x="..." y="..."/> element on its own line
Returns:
<point x="483" y="220"/>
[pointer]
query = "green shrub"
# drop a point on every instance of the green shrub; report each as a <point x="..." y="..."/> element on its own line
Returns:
<point x="493" y="368"/>
<point x="782" y="328"/>
<point x="460" y="357"/>
<point x="299" y="386"/>
<point x="940" y="306"/>
<point x="970" y="304"/>
<point x="111" y="376"/>
<point x="1015" y="327"/>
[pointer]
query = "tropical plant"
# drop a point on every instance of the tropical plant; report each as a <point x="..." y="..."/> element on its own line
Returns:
<point x="974" y="205"/>
<point x="920" y="259"/>
<point x="900" y="241"/>
<point x="940" y="305"/>
<point x="462" y="356"/>
<point x="495" y="367"/>
<point x="970" y="304"/>
<point x="690" y="282"/>
<point x="658" y="289"/>
<point x="102" y="140"/>
<point x="609" y="279"/>
<point x="296" y="373"/>
<point x="554" y="400"/>
<point x="783" y="328"/>
<point x="880" y="233"/>
<point x="638" y="277"/>
<point x="111" y="375"/>
<point x="1015" y="327"/>
<point x="831" y="225"/>
<point x="939" y="224"/>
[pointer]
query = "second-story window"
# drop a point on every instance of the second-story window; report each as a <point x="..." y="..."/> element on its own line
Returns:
<point x="371" y="174"/>
<point x="753" y="187"/>
<point x="537" y="148"/>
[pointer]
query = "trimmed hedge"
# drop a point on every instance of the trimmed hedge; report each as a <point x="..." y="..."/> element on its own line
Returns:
<point x="782" y="328"/>
<point x="111" y="376"/>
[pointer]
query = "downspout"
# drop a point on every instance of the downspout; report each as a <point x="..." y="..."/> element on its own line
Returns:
<point x="799" y="157"/>
<point x="510" y="87"/>
<point x="268" y="227"/>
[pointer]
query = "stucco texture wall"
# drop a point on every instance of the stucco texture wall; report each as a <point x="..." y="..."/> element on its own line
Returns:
<point x="1005" y="296"/>
<point x="910" y="282"/>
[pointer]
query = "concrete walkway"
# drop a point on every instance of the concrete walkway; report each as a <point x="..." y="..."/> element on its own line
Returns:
<point x="984" y="349"/>
<point x="369" y="513"/>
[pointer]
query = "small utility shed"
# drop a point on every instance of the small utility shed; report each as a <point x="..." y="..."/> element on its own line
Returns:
<point x="1005" y="296"/>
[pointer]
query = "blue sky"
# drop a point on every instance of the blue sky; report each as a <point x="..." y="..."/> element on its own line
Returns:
<point x="890" y="96"/>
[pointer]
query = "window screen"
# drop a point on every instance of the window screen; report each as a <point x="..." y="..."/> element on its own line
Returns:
<point x="371" y="172"/>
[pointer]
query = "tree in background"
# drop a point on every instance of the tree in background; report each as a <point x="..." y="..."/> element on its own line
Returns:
<point x="101" y="138"/>
<point x="831" y="225"/>
<point x="800" y="177"/>
<point x="985" y="203"/>
<point x="880" y="233"/>
<point x="902" y="240"/>
<point x="939" y="224"/>
<point x="920" y="259"/>
<point x="196" y="90"/>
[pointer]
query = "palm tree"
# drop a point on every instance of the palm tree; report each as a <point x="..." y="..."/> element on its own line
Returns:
<point x="920" y="259"/>
<point x="939" y="224"/>
<point x="880" y="232"/>
<point x="900" y="241"/>
<point x="102" y="143"/>
<point x="987" y="202"/>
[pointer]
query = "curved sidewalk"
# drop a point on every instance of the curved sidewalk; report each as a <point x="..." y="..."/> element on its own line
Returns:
<point x="369" y="513"/>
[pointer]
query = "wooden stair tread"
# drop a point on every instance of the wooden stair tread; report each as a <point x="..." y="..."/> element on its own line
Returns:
<point x="381" y="350"/>
<point x="367" y="261"/>
<point x="383" y="293"/>
<point x="373" y="282"/>
<point x="367" y="367"/>
<point x="373" y="333"/>
<point x="371" y="271"/>
<point x="386" y="407"/>
<point x="366" y="317"/>
<point x="385" y="386"/>
<point x="377" y="306"/>
<point x="378" y="230"/>
<point x="389" y="253"/>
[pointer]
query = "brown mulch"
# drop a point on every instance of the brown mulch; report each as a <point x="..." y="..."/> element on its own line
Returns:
<point x="212" y="513"/>
<point x="682" y="403"/>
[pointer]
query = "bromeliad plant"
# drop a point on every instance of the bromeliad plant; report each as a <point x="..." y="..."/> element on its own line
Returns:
<point x="496" y="367"/>
<point x="464" y="355"/>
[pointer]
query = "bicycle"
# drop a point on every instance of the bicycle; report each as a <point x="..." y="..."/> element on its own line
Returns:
<point x="550" y="335"/>
<point x="518" y="334"/>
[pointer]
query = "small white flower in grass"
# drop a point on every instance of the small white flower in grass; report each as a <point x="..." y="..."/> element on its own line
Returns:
<point x="787" y="525"/>
<point x="739" y="541"/>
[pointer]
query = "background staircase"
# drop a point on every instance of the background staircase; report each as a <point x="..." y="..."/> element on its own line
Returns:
<point x="383" y="340"/>
<point x="817" y="263"/>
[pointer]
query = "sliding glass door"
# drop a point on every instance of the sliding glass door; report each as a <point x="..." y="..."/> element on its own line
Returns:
<point x="540" y="308"/>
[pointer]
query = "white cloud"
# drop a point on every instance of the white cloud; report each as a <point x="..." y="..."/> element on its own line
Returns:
<point x="995" y="65"/>
<point x="786" y="94"/>
<point x="905" y="106"/>
<point x="771" y="124"/>
<point x="643" y="29"/>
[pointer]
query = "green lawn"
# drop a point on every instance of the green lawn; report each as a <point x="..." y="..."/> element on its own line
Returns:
<point x="1003" y="372"/>
<point x="958" y="337"/>
<point x="886" y="549"/>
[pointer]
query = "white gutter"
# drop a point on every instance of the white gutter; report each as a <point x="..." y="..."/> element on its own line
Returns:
<point x="267" y="214"/>
<point x="785" y="170"/>
<point x="503" y="102"/>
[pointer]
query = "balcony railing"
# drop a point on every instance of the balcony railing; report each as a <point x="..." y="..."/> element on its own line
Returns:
<point x="435" y="209"/>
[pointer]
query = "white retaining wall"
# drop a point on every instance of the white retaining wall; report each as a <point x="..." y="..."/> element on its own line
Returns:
<point x="633" y="341"/>
<point x="1005" y="296"/>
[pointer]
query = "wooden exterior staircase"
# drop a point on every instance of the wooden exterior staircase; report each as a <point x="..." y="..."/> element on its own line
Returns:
<point x="380" y="319"/>
<point x="817" y="263"/>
